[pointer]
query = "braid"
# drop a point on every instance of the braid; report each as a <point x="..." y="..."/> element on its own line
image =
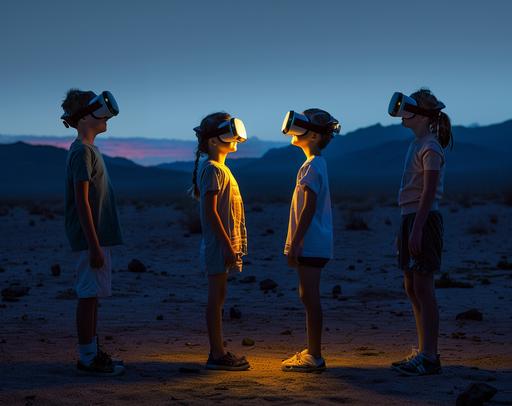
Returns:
<point x="194" y="189"/>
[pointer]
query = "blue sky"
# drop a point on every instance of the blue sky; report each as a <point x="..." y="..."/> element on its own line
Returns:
<point x="169" y="63"/>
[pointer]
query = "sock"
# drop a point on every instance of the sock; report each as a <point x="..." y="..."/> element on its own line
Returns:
<point x="429" y="357"/>
<point x="88" y="352"/>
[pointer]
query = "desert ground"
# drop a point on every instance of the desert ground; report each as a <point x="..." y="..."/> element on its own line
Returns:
<point x="155" y="322"/>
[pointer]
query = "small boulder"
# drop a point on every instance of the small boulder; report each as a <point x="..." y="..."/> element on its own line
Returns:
<point x="248" y="342"/>
<point x="472" y="314"/>
<point x="136" y="266"/>
<point x="476" y="394"/>
<point x="235" y="313"/>
<point x="13" y="293"/>
<point x="55" y="270"/>
<point x="268" y="284"/>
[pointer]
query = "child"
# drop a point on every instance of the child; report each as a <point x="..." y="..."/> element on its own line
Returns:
<point x="92" y="224"/>
<point x="309" y="243"/>
<point x="222" y="215"/>
<point x="420" y="240"/>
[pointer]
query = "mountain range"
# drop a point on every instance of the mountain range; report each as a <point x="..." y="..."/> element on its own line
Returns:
<point x="366" y="161"/>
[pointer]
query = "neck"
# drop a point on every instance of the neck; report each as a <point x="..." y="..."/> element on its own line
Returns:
<point x="311" y="151"/>
<point x="86" y="136"/>
<point x="421" y="132"/>
<point x="217" y="156"/>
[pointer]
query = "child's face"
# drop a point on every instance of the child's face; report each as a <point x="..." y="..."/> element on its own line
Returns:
<point x="222" y="147"/>
<point x="307" y="140"/>
<point x="96" y="125"/>
<point x="416" y="123"/>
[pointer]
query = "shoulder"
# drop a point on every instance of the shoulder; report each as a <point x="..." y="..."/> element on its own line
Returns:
<point x="431" y="145"/>
<point x="210" y="168"/>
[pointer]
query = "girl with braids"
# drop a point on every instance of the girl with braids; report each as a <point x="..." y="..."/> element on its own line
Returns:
<point x="224" y="239"/>
<point x="420" y="240"/>
<point x="309" y="243"/>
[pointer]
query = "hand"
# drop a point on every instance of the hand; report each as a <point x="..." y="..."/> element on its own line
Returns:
<point x="96" y="257"/>
<point x="415" y="240"/>
<point x="230" y="257"/>
<point x="292" y="256"/>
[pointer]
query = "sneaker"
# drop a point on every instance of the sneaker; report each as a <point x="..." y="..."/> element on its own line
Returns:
<point x="413" y="354"/>
<point x="303" y="362"/>
<point x="228" y="362"/>
<point x="419" y="366"/>
<point x="108" y="358"/>
<point x="99" y="367"/>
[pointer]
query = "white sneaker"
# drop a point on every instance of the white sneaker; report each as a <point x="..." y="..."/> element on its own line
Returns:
<point x="303" y="362"/>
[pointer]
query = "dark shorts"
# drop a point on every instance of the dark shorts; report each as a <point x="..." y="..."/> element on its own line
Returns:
<point x="431" y="246"/>
<point x="315" y="262"/>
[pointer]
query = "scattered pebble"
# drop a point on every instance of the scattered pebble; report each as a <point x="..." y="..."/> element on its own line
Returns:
<point x="136" y="266"/>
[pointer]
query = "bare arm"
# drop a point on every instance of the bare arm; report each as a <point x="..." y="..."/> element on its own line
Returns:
<point x="430" y="180"/>
<point x="305" y="219"/>
<point x="85" y="216"/>
<point x="213" y="218"/>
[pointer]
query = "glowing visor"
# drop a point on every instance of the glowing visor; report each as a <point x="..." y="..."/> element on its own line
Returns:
<point x="102" y="106"/>
<point x="232" y="130"/>
<point x="404" y="106"/>
<point x="298" y="124"/>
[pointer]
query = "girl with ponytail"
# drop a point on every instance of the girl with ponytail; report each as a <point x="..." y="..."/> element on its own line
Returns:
<point x="222" y="215"/>
<point x="420" y="240"/>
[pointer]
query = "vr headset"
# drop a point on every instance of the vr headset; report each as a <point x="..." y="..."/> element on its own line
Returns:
<point x="298" y="124"/>
<point x="100" y="106"/>
<point x="404" y="106"/>
<point x="232" y="130"/>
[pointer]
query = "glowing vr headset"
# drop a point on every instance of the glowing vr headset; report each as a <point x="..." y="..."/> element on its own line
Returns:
<point x="298" y="124"/>
<point x="100" y="106"/>
<point x="232" y="130"/>
<point x="404" y="106"/>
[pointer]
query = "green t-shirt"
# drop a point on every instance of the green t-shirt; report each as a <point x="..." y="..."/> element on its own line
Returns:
<point x="85" y="163"/>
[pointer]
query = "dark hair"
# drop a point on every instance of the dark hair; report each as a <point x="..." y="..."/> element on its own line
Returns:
<point x="441" y="123"/>
<point x="209" y="123"/>
<point x="75" y="101"/>
<point x="323" y="118"/>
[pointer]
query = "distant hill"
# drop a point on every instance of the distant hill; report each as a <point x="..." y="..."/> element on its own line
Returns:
<point x="29" y="171"/>
<point x="370" y="160"/>
<point x="146" y="151"/>
<point x="366" y="161"/>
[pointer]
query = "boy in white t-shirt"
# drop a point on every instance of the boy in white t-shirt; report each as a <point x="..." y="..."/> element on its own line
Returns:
<point x="309" y="243"/>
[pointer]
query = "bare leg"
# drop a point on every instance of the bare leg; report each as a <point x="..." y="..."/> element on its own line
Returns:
<point x="309" y="292"/>
<point x="85" y="319"/>
<point x="216" y="296"/>
<point x="416" y="308"/>
<point x="425" y="293"/>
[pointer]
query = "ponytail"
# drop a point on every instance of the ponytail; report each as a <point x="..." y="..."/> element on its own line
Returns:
<point x="444" y="130"/>
<point x="441" y="124"/>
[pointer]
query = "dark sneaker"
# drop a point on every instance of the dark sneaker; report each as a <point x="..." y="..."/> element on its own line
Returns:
<point x="413" y="354"/>
<point x="419" y="366"/>
<point x="99" y="367"/>
<point x="108" y="358"/>
<point x="228" y="362"/>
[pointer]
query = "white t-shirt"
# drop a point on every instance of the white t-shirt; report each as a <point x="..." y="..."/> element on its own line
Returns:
<point x="424" y="154"/>
<point x="318" y="240"/>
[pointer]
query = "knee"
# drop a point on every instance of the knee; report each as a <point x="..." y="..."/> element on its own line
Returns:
<point x="423" y="292"/>
<point x="409" y="290"/>
<point x="308" y="298"/>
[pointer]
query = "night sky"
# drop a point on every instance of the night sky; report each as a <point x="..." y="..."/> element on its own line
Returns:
<point x="169" y="63"/>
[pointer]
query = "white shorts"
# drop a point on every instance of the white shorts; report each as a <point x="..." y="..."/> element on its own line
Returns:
<point x="93" y="282"/>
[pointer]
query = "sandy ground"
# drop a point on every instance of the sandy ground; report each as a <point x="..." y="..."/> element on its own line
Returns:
<point x="155" y="320"/>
